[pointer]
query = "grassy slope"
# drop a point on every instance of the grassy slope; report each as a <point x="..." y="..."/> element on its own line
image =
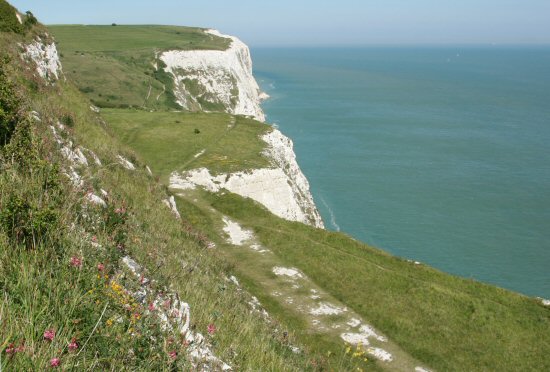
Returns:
<point x="114" y="67"/>
<point x="41" y="290"/>
<point x="169" y="143"/>
<point x="446" y="322"/>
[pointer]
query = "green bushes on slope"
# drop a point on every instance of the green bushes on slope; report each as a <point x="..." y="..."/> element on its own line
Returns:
<point x="9" y="104"/>
<point x="8" y="19"/>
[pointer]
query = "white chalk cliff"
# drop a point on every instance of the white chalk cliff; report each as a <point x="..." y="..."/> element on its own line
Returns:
<point x="282" y="188"/>
<point x="221" y="80"/>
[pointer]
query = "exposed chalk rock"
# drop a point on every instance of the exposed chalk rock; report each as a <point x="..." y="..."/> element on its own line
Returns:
<point x="171" y="203"/>
<point x="237" y="235"/>
<point x="283" y="189"/>
<point x="94" y="199"/>
<point x="290" y="272"/>
<point x="380" y="354"/>
<point x="175" y="316"/>
<point x="362" y="336"/>
<point x="125" y="163"/>
<point x="326" y="308"/>
<point x="45" y="57"/>
<point x="222" y="77"/>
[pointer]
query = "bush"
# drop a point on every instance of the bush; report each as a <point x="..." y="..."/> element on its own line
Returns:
<point x="8" y="20"/>
<point x="68" y="119"/>
<point x="30" y="20"/>
<point x="9" y="105"/>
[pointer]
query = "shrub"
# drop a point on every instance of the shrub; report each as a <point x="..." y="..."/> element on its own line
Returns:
<point x="26" y="223"/>
<point x="8" y="20"/>
<point x="9" y="105"/>
<point x="68" y="119"/>
<point x="30" y="20"/>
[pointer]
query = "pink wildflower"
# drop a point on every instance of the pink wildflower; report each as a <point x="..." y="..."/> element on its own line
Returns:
<point x="94" y="239"/>
<point x="49" y="334"/>
<point x="151" y="307"/>
<point x="55" y="362"/>
<point x="10" y="350"/>
<point x="76" y="262"/>
<point x="100" y="267"/>
<point x="121" y="210"/>
<point x="211" y="329"/>
<point x="173" y="354"/>
<point x="73" y="345"/>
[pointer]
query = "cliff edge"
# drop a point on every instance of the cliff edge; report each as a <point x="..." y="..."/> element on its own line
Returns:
<point x="215" y="80"/>
<point x="223" y="79"/>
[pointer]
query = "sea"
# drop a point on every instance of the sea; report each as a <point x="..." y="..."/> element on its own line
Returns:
<point x="435" y="154"/>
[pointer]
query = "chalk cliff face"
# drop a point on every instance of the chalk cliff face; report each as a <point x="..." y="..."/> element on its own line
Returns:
<point x="207" y="77"/>
<point x="212" y="80"/>
<point x="282" y="189"/>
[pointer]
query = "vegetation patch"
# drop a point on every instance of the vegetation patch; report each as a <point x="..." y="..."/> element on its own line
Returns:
<point x="167" y="141"/>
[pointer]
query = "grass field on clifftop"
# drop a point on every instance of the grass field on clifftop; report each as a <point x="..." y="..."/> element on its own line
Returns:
<point x="176" y="141"/>
<point x="115" y="65"/>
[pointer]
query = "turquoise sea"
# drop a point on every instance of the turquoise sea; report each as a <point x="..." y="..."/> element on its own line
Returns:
<point x="435" y="154"/>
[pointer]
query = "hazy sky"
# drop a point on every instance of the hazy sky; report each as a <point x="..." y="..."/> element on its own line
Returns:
<point x="322" y="22"/>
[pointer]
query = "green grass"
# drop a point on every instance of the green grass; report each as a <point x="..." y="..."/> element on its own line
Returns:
<point x="167" y="140"/>
<point x="135" y="37"/>
<point x="113" y="65"/>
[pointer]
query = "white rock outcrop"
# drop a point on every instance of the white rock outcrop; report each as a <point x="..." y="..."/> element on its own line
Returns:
<point x="282" y="189"/>
<point x="216" y="77"/>
<point x="45" y="57"/>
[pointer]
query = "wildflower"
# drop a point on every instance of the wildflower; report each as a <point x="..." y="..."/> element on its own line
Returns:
<point x="55" y="362"/>
<point x="109" y="322"/>
<point x="94" y="239"/>
<point x="49" y="334"/>
<point x="151" y="307"/>
<point x="173" y="354"/>
<point x="76" y="262"/>
<point x="73" y="345"/>
<point x="11" y="350"/>
<point x="211" y="329"/>
<point x="100" y="267"/>
<point x="120" y="210"/>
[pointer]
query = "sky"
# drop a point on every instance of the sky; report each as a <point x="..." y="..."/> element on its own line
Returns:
<point x="322" y="22"/>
